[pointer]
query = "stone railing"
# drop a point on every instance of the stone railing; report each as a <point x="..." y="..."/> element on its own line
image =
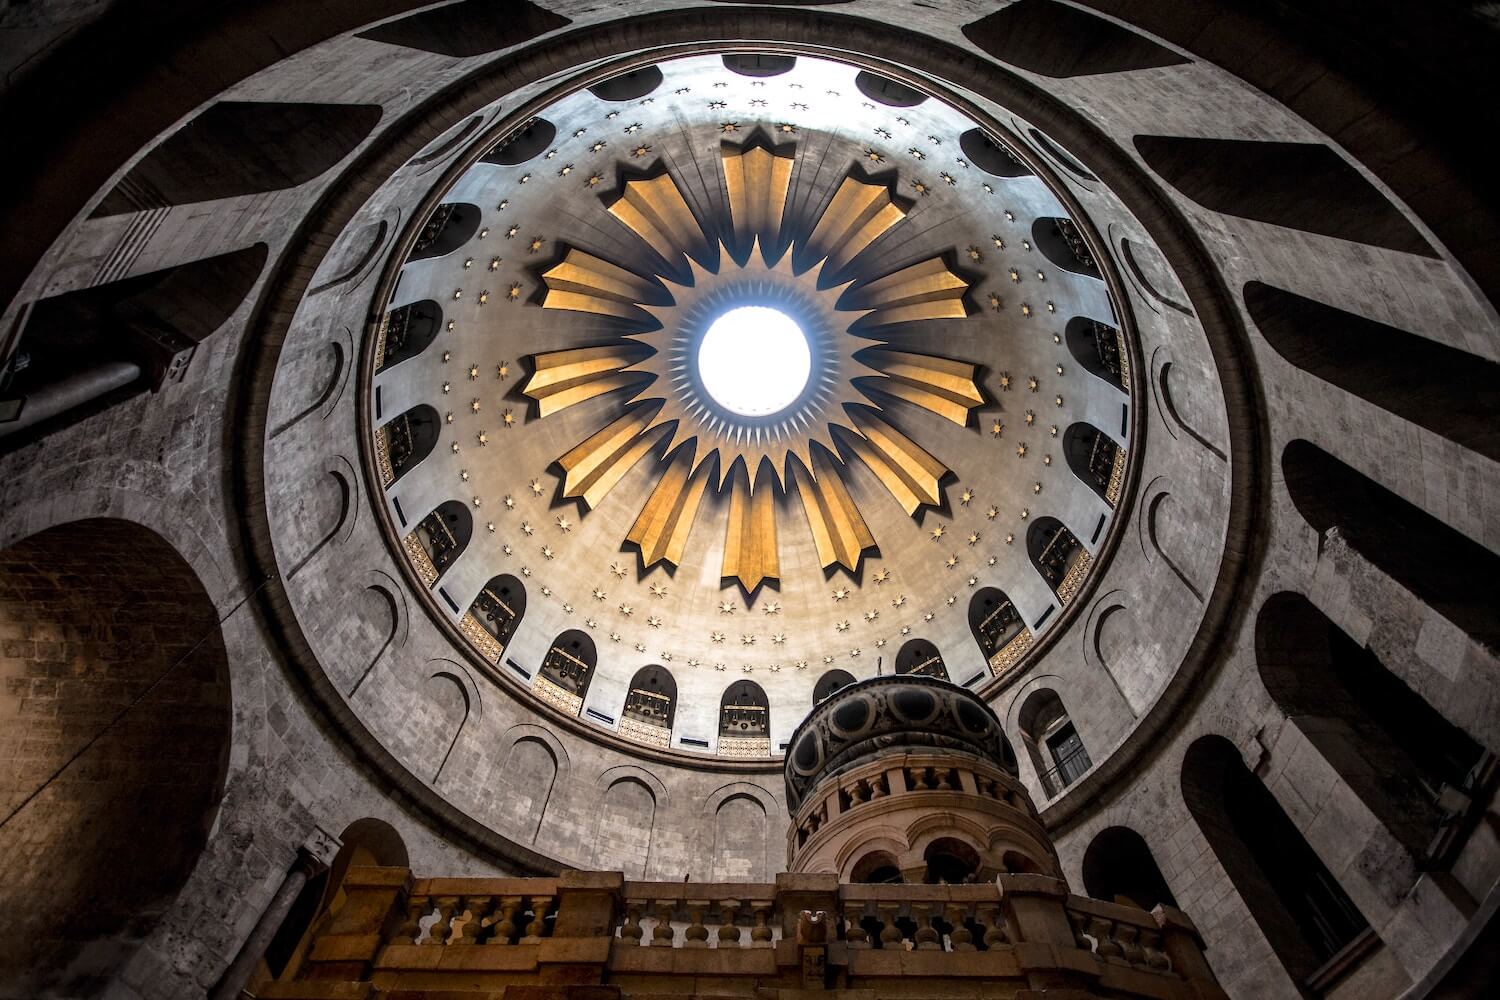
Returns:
<point x="593" y="934"/>
<point x="1008" y="655"/>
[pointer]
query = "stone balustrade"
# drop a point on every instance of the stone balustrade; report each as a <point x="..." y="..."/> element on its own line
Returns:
<point x="594" y="934"/>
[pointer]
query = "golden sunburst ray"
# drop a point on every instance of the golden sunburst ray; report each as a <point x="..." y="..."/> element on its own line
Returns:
<point x="752" y="458"/>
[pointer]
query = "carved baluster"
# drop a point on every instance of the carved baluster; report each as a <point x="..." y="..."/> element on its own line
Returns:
<point x="960" y="937"/>
<point x="1080" y="922"/>
<point x="1103" y="932"/>
<point x="411" y="928"/>
<point x="855" y="933"/>
<point x="927" y="937"/>
<point x="890" y="934"/>
<point x="859" y="794"/>
<point x="696" y="935"/>
<point x="1151" y="947"/>
<point x="538" y="924"/>
<point x="505" y="928"/>
<point x="994" y="928"/>
<point x="760" y="934"/>
<point x="439" y="932"/>
<point x="631" y="931"/>
<point x="662" y="933"/>
<point x="729" y="931"/>
<point x="1131" y="951"/>
<point x="878" y="789"/>
<point x="942" y="778"/>
<point x="477" y="908"/>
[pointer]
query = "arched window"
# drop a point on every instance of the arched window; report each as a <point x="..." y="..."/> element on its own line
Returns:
<point x="495" y="615"/>
<point x="758" y="65"/>
<point x="1052" y="740"/>
<point x="831" y="682"/>
<point x="1118" y="866"/>
<point x="1096" y="459"/>
<point x="1413" y="768"/>
<point x="998" y="629"/>
<point x="918" y="656"/>
<point x="401" y="444"/>
<point x="1099" y="350"/>
<point x="876" y="868"/>
<point x="891" y="93"/>
<point x="1300" y="907"/>
<point x="1060" y="242"/>
<point x="566" y="671"/>
<point x="451" y="225"/>
<point x="628" y="86"/>
<point x="991" y="155"/>
<point x="950" y="862"/>
<point x="744" y="721"/>
<point x="1058" y="555"/>
<point x="406" y="332"/>
<point x="523" y="144"/>
<point x="650" y="705"/>
<point x="439" y="539"/>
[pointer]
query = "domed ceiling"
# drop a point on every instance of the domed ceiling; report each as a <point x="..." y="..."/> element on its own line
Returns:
<point x="904" y="460"/>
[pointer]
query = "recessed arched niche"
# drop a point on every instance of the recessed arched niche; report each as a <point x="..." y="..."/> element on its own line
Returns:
<point x="830" y="682"/>
<point x="567" y="669"/>
<point x="441" y="536"/>
<point x="650" y="707"/>
<point x="744" y="721"/>
<point x="401" y="444"/>
<point x="406" y="332"/>
<point x="919" y="656"/>
<point x="495" y="615"/>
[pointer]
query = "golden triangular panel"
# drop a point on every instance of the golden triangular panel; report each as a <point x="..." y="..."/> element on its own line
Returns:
<point x="902" y="466"/>
<point x="661" y="529"/>
<point x="858" y="213"/>
<point x="943" y="386"/>
<point x="839" y="530"/>
<point x="757" y="181"/>
<point x="564" y="378"/>
<point x="926" y="290"/>
<point x="584" y="283"/>
<point x="750" y="543"/>
<point x="593" y="468"/>
<point x="656" y="212"/>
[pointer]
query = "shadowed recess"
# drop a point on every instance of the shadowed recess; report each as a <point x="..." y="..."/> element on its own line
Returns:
<point x="1303" y="186"/>
<point x="1056" y="40"/>
<point x="469" y="28"/>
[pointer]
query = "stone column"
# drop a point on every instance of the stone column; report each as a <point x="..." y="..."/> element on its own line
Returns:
<point x="314" y="856"/>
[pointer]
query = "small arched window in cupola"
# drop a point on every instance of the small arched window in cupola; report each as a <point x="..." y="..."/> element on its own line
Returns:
<point x="566" y="671"/>
<point x="406" y="331"/>
<point x="1100" y="349"/>
<point x="1095" y="459"/>
<point x="1059" y="556"/>
<point x="402" y="444"/>
<point x="650" y="707"/>
<point x="495" y="615"/>
<point x="744" y="721"/>
<point x="998" y="629"/>
<point x="918" y="656"/>
<point x="439" y="539"/>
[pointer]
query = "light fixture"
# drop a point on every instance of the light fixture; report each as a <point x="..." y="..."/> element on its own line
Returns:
<point x="754" y="361"/>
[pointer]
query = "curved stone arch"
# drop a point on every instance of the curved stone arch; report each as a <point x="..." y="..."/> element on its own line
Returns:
<point x="1157" y="493"/>
<point x="921" y="832"/>
<point x="345" y="479"/>
<point x="610" y="775"/>
<point x="890" y="839"/>
<point x="459" y="676"/>
<point x="1161" y="391"/>
<point x="342" y="348"/>
<point x="603" y="844"/>
<point x="516" y="739"/>
<point x="744" y="789"/>
<point x="358" y="269"/>
<point x="1104" y="607"/>
<point x="385" y="587"/>
<point x="526" y="730"/>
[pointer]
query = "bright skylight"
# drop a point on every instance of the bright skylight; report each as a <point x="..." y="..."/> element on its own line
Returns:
<point x="754" y="361"/>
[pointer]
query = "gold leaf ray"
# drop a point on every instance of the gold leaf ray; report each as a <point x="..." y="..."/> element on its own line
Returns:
<point x="591" y="469"/>
<point x="750" y="543"/>
<point x="925" y="290"/>
<point x="584" y="283"/>
<point x="940" y="385"/>
<point x="656" y="212"/>
<point x="858" y="213"/>
<point x="661" y="529"/>
<point x="903" y="467"/>
<point x="757" y="181"/>
<point x="565" y="378"/>
<point x="839" y="530"/>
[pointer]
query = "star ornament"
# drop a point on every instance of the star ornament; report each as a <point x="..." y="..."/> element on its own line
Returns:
<point x="697" y="444"/>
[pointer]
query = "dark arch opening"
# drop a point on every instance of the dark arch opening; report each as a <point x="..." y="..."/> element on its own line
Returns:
<point x="408" y="439"/>
<point x="408" y="331"/>
<point x="1441" y="566"/>
<point x="569" y="665"/>
<point x="498" y="610"/>
<point x="1413" y="768"/>
<point x="993" y="620"/>
<point x="744" y="711"/>
<point x="1057" y="40"/>
<point x="950" y="862"/>
<point x="1095" y="459"/>
<point x="1055" y="552"/>
<point x="831" y="682"/>
<point x="1052" y="741"/>
<point x="1119" y="866"/>
<point x="919" y="656"/>
<point x="1299" y="906"/>
<point x="1061" y="242"/>
<point x="891" y="93"/>
<point x="1448" y="391"/>
<point x="237" y="148"/>
<point x="758" y="64"/>
<point x="443" y="535"/>
<point x="524" y="143"/>
<point x="469" y="27"/>
<point x="652" y="698"/>
<point x="1060" y="155"/>
<point x="628" y="86"/>
<point x="451" y="225"/>
<point x="991" y="155"/>
<point x="116" y="741"/>
<point x="876" y="868"/>
<point x="1098" y="348"/>
<point x="1298" y="185"/>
